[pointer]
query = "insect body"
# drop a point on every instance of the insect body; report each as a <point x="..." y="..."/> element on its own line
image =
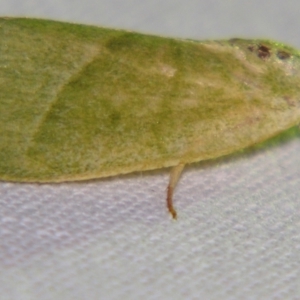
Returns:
<point x="80" y="102"/>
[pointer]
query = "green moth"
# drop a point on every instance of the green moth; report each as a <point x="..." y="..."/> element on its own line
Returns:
<point x="80" y="102"/>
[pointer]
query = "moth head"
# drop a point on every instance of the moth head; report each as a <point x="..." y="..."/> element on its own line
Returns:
<point x="273" y="66"/>
<point x="270" y="53"/>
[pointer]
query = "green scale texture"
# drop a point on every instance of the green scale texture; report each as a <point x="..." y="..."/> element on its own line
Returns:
<point x="80" y="102"/>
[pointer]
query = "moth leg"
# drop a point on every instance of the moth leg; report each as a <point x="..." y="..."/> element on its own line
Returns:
<point x="174" y="176"/>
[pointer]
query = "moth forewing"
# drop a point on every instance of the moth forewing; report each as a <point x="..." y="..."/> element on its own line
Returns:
<point x="80" y="102"/>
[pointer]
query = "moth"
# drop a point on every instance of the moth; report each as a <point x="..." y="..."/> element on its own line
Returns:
<point x="80" y="102"/>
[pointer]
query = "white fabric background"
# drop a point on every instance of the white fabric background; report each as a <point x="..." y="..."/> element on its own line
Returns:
<point x="238" y="232"/>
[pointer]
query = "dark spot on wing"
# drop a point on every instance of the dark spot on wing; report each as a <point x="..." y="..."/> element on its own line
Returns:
<point x="265" y="52"/>
<point x="261" y="51"/>
<point x="283" y="54"/>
